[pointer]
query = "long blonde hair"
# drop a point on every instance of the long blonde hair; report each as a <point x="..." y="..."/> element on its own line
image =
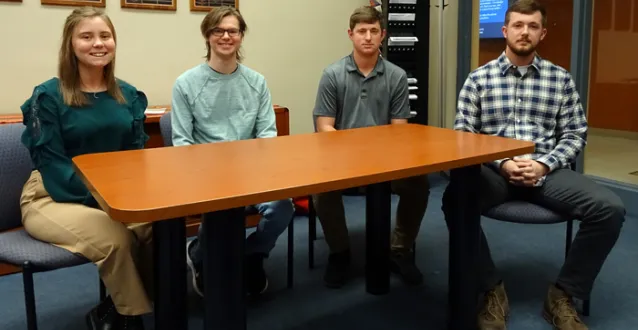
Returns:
<point x="68" y="71"/>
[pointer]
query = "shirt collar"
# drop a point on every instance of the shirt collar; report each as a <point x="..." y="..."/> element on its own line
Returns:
<point x="351" y="66"/>
<point x="505" y="65"/>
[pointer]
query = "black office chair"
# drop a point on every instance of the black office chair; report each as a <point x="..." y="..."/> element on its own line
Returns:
<point x="166" y="131"/>
<point x="528" y="213"/>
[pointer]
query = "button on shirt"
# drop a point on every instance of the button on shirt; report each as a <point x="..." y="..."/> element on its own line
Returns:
<point x="538" y="103"/>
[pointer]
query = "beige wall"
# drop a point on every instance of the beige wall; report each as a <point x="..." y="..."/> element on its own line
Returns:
<point x="450" y="28"/>
<point x="289" y="42"/>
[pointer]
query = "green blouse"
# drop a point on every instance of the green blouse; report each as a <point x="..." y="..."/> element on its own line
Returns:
<point x="55" y="133"/>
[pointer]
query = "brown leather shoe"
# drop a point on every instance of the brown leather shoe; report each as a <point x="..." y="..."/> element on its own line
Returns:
<point x="559" y="311"/>
<point x="496" y="309"/>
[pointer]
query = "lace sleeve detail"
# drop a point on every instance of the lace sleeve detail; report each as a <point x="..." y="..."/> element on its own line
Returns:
<point x="138" y="135"/>
<point x="39" y="118"/>
<point x="30" y="114"/>
<point x="43" y="138"/>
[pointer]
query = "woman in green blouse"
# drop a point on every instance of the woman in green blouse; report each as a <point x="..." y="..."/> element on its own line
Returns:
<point x="87" y="110"/>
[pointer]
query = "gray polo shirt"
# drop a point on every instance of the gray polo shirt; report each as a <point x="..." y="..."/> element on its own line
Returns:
<point x="357" y="101"/>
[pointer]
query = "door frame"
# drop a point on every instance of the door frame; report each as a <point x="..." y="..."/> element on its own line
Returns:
<point x="580" y="64"/>
<point x="582" y="24"/>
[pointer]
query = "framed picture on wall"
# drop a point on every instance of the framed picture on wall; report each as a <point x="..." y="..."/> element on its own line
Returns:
<point x="207" y="5"/>
<point x="10" y="0"/>
<point x="92" y="3"/>
<point x="150" y="4"/>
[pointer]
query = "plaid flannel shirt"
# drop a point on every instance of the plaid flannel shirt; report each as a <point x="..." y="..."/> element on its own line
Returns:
<point x="542" y="106"/>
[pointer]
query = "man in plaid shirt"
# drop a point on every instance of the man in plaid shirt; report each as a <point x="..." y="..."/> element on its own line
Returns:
<point x="522" y="96"/>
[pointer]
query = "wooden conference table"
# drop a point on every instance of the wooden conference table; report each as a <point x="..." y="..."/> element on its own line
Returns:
<point x="219" y="179"/>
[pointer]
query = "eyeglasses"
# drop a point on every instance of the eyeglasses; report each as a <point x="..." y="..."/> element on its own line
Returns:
<point x="219" y="32"/>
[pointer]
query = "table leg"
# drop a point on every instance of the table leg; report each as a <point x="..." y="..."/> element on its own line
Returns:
<point x="223" y="239"/>
<point x="169" y="240"/>
<point x="378" y="238"/>
<point x="464" y="233"/>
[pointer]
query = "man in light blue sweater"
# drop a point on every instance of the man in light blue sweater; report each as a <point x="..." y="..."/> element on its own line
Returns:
<point x="223" y="100"/>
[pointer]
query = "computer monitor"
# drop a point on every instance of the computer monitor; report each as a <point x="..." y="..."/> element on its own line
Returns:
<point x="492" y="18"/>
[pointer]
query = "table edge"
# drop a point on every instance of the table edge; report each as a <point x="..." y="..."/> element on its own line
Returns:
<point x="173" y="211"/>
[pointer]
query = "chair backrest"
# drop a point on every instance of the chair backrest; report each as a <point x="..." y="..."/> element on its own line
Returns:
<point x="166" y="130"/>
<point x="15" y="168"/>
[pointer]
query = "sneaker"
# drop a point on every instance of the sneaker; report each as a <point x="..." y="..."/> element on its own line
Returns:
<point x="198" y="283"/>
<point x="495" y="310"/>
<point x="559" y="311"/>
<point x="402" y="263"/>
<point x="338" y="269"/>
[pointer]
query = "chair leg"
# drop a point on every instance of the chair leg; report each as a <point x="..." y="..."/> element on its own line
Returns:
<point x="29" y="296"/>
<point x="586" y="307"/>
<point x="312" y="233"/>
<point x="312" y="218"/>
<point x="291" y="252"/>
<point x="568" y="239"/>
<point x="102" y="290"/>
<point x="568" y="246"/>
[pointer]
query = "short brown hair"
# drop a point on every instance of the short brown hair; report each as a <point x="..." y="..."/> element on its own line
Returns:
<point x="527" y="7"/>
<point x="68" y="69"/>
<point x="214" y="17"/>
<point x="365" y="14"/>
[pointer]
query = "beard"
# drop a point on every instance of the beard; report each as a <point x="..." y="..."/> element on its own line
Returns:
<point x="521" y="50"/>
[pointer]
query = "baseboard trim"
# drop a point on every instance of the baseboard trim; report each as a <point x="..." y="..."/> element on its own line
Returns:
<point x="627" y="192"/>
<point x="613" y="133"/>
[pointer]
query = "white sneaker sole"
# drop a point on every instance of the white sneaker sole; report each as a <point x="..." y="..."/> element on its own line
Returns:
<point x="265" y="287"/>
<point x="191" y="266"/>
<point x="262" y="290"/>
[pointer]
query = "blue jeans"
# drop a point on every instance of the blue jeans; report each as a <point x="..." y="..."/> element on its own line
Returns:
<point x="275" y="217"/>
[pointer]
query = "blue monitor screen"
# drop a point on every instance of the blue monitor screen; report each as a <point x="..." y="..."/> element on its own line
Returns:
<point x="491" y="18"/>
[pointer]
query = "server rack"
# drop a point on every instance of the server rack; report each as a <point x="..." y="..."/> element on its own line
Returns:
<point x="407" y="23"/>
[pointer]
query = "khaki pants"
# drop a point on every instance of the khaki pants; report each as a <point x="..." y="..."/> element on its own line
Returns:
<point x="413" y="200"/>
<point x="122" y="252"/>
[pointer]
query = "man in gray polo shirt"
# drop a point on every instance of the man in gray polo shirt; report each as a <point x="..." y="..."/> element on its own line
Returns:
<point x="360" y="90"/>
